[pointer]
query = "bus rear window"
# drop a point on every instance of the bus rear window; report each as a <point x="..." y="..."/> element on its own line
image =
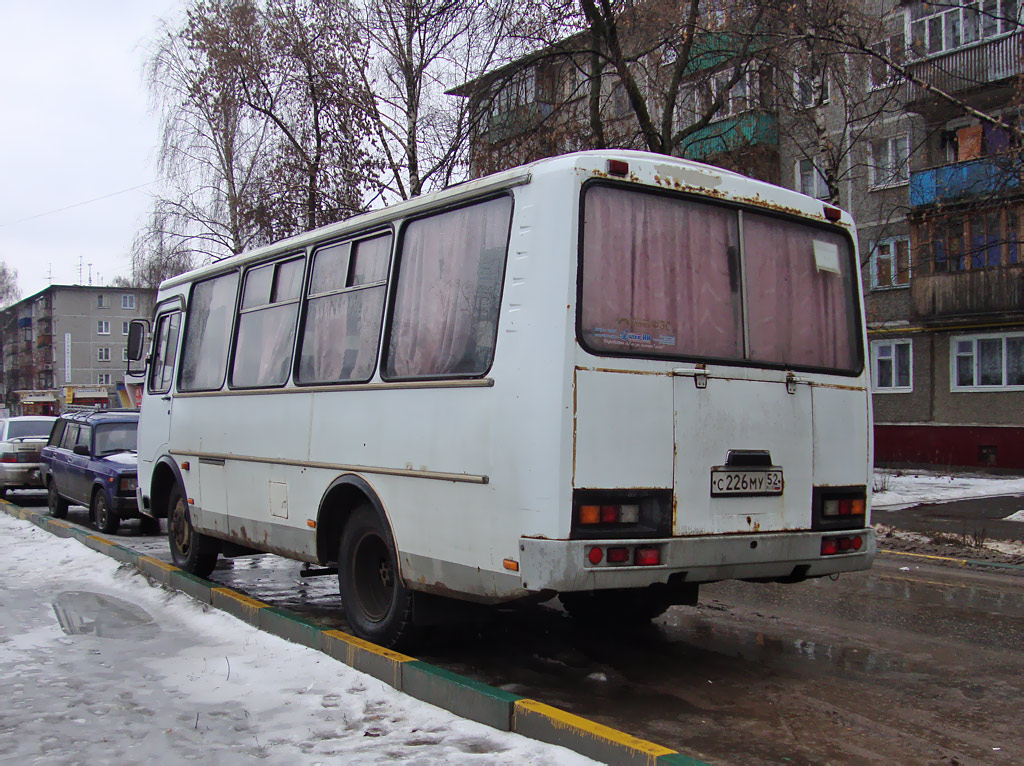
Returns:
<point x="662" y="276"/>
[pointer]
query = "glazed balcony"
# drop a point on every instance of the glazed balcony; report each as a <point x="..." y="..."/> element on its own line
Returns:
<point x="963" y="181"/>
<point x="750" y="129"/>
<point x="979" y="65"/>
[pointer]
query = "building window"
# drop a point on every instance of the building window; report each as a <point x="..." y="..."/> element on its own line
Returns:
<point x="103" y="378"/>
<point x="892" y="365"/>
<point x="743" y="96"/>
<point x="939" y="27"/>
<point x="128" y="302"/>
<point x="102" y="302"/>
<point x="890" y="263"/>
<point x="810" y="179"/>
<point x="810" y="88"/>
<point x="103" y="354"/>
<point x="124" y="327"/>
<point x="880" y="73"/>
<point x="103" y="327"/>
<point x="890" y="164"/>
<point x="987" y="362"/>
<point x="124" y="353"/>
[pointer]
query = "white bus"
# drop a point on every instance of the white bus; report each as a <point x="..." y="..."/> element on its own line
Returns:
<point x="610" y="376"/>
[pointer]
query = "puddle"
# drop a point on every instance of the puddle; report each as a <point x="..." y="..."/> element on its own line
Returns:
<point x="83" y="613"/>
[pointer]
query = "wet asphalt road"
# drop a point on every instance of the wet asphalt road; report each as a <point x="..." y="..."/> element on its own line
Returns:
<point x="907" y="663"/>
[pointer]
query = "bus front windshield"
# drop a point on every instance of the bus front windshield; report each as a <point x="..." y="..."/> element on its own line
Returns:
<point x="674" y="277"/>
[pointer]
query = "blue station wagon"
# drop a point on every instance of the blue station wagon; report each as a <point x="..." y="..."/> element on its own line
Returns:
<point x="90" y="459"/>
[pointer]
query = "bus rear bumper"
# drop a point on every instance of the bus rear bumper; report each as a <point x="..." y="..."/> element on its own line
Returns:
<point x="564" y="565"/>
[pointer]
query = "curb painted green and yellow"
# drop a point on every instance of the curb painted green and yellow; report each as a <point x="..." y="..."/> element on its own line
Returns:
<point x="458" y="694"/>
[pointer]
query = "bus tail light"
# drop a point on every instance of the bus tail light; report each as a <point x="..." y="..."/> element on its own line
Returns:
<point x="847" y="544"/>
<point x="595" y="555"/>
<point x="618" y="555"/>
<point x="648" y="557"/>
<point x="618" y="515"/>
<point x="844" y="507"/>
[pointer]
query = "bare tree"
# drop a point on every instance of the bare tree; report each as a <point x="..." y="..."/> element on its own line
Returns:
<point x="9" y="290"/>
<point x="159" y="252"/>
<point x="298" y="64"/>
<point x="421" y="49"/>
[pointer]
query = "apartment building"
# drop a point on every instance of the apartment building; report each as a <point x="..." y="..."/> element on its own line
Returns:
<point x="928" y="162"/>
<point x="67" y="345"/>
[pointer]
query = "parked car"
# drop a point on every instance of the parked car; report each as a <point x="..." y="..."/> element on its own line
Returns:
<point x="21" y="439"/>
<point x="90" y="460"/>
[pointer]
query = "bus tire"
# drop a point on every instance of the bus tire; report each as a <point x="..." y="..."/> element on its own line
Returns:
<point x="57" y="504"/>
<point x="192" y="551"/>
<point x="103" y="516"/>
<point x="624" y="607"/>
<point x="378" y="606"/>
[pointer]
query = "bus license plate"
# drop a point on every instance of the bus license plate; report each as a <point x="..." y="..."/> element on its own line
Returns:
<point x="732" y="482"/>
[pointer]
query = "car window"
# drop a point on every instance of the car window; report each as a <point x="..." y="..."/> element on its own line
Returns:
<point x="70" y="436"/>
<point x="84" y="436"/>
<point x="22" y="428"/>
<point x="115" y="437"/>
<point x="57" y="433"/>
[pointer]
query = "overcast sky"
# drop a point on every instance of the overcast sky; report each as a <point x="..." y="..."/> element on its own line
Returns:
<point x="76" y="127"/>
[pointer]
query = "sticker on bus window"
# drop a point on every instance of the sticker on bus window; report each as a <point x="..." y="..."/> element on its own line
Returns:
<point x="826" y="256"/>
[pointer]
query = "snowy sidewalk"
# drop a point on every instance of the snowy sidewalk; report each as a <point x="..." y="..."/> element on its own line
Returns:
<point x="902" y="489"/>
<point x="151" y="676"/>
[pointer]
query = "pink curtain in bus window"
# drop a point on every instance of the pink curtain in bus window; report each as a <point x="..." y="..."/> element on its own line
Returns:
<point x="800" y="314"/>
<point x="449" y="283"/>
<point x="660" y="276"/>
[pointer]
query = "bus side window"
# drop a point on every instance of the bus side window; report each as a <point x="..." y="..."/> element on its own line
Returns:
<point x="344" y="311"/>
<point x="204" y="357"/>
<point x="165" y="348"/>
<point x="448" y="292"/>
<point x="266" y="324"/>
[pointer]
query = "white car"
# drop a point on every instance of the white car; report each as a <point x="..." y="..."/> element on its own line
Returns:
<point x="21" y="439"/>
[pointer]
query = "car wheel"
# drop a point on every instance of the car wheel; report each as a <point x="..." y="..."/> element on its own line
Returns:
<point x="378" y="606"/>
<point x="58" y="505"/>
<point x="629" y="607"/>
<point x="103" y="516"/>
<point x="192" y="551"/>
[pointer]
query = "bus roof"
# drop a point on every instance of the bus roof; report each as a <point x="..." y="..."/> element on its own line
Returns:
<point x="645" y="168"/>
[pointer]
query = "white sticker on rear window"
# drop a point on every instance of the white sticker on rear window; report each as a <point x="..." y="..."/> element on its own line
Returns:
<point x="826" y="256"/>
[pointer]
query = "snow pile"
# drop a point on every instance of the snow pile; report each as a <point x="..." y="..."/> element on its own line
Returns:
<point x="894" y="490"/>
<point x="161" y="678"/>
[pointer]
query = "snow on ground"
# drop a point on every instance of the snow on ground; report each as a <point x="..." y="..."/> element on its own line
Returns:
<point x="148" y="675"/>
<point x="902" y="489"/>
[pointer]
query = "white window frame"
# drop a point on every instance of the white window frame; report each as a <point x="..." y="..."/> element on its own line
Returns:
<point x="956" y="352"/>
<point x="877" y="254"/>
<point x="124" y="353"/>
<point x="818" y="185"/>
<point x="819" y="88"/>
<point x="128" y="301"/>
<point x="102" y="327"/>
<point x="885" y="47"/>
<point x="124" y="327"/>
<point x="953" y="20"/>
<point x="886" y="350"/>
<point x="102" y="302"/>
<point x="894" y="170"/>
<point x="103" y="378"/>
<point x="103" y="354"/>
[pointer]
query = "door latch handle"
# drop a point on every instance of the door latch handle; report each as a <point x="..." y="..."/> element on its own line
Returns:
<point x="700" y="377"/>
<point x="792" y="381"/>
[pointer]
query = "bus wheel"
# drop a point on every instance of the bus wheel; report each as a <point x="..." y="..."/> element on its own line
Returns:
<point x="194" y="552"/>
<point x="106" y="520"/>
<point x="624" y="607"/>
<point x="58" y="505"/>
<point x="378" y="606"/>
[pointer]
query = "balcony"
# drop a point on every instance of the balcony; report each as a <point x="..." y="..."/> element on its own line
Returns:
<point x="965" y="180"/>
<point x="744" y="131"/>
<point x="515" y="121"/>
<point x="979" y="65"/>
<point x="973" y="293"/>
<point x="44" y="340"/>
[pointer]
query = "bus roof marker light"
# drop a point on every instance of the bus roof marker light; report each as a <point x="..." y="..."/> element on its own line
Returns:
<point x="832" y="213"/>
<point x="618" y="168"/>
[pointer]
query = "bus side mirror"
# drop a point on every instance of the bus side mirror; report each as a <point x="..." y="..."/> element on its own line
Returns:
<point x="137" y="331"/>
